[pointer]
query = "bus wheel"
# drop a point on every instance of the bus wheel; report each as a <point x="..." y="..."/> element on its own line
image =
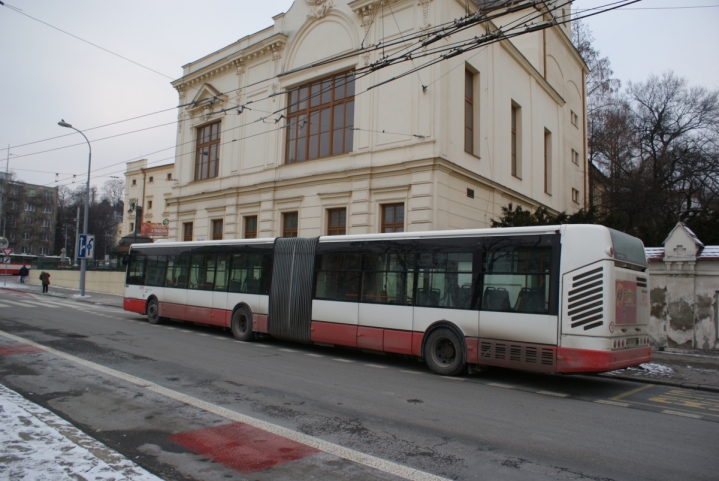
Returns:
<point x="153" y="312"/>
<point x="242" y="325"/>
<point x="443" y="353"/>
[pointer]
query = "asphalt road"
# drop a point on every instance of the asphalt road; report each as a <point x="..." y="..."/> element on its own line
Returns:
<point x="190" y="402"/>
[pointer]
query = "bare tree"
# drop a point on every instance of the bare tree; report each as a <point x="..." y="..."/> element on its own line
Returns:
<point x="113" y="191"/>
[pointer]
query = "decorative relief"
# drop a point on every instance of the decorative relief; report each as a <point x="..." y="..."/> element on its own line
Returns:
<point x="276" y="57"/>
<point x="321" y="7"/>
<point x="240" y="76"/>
<point x="425" y="13"/>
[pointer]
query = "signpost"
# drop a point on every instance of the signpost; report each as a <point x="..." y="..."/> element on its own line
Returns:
<point x="86" y="246"/>
<point x="6" y="260"/>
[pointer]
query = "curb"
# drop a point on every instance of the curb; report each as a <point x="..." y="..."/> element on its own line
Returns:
<point x="664" y="382"/>
<point x="60" y="296"/>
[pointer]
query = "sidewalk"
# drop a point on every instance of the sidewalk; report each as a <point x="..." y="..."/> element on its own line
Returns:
<point x="37" y="444"/>
<point x="690" y="370"/>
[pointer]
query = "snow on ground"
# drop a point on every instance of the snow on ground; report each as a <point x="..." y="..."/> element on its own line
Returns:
<point x="36" y="444"/>
<point x="648" y="369"/>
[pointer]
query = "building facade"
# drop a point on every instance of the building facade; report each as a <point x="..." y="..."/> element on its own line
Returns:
<point x="309" y="128"/>
<point x="148" y="188"/>
<point x="29" y="216"/>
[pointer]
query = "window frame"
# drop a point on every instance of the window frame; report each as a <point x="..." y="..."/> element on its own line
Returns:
<point x="547" y="161"/>
<point x="340" y="229"/>
<point x="516" y="140"/>
<point x="187" y="227"/>
<point x="285" y="229"/>
<point x="299" y="118"/>
<point x="213" y="140"/>
<point x="215" y="234"/>
<point x="391" y="225"/>
<point x="250" y="234"/>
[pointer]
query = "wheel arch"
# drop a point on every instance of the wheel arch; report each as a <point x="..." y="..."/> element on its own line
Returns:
<point x="147" y="302"/>
<point x="446" y="324"/>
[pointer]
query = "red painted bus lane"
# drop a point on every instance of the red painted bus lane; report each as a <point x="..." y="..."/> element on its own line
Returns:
<point x="242" y="447"/>
<point x="18" y="349"/>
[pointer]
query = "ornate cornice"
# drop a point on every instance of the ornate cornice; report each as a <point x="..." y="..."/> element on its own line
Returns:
<point x="237" y="60"/>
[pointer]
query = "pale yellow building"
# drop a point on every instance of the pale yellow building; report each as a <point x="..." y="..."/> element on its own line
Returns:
<point x="291" y="130"/>
<point x="149" y="188"/>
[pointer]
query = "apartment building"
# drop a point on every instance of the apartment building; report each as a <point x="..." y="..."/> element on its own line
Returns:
<point x="28" y="216"/>
<point x="150" y="189"/>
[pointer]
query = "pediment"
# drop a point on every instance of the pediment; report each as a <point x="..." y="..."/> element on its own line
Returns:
<point x="207" y="98"/>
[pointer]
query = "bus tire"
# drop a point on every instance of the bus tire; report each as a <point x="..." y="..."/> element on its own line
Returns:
<point x="153" y="312"/>
<point x="241" y="325"/>
<point x="444" y="353"/>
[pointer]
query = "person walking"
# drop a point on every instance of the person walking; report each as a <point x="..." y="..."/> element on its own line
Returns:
<point x="24" y="271"/>
<point x="45" y="278"/>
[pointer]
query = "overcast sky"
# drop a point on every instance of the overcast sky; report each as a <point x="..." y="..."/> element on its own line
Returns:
<point x="48" y="75"/>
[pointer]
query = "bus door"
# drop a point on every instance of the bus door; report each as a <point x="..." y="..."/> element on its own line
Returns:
<point x="200" y="289"/>
<point x="385" y="310"/>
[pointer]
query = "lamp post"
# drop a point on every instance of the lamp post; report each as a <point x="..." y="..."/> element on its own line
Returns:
<point x="83" y="261"/>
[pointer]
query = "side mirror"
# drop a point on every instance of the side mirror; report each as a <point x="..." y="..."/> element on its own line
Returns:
<point x="125" y="259"/>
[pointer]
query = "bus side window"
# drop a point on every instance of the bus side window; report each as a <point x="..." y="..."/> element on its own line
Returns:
<point x="444" y="279"/>
<point x="387" y="278"/>
<point x="517" y="280"/>
<point x="155" y="270"/>
<point x="136" y="271"/>
<point x="338" y="277"/>
<point x="222" y="273"/>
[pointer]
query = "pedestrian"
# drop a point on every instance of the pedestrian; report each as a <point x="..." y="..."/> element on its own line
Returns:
<point x="45" y="278"/>
<point x="23" y="273"/>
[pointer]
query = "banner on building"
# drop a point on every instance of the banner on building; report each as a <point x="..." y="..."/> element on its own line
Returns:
<point x="154" y="229"/>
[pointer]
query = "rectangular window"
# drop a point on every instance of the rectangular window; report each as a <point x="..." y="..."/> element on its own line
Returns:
<point x="338" y="277"/>
<point x="251" y="273"/>
<point x="289" y="224"/>
<point x="575" y="195"/>
<point x="48" y="194"/>
<point x="177" y="270"/>
<point x="517" y="280"/>
<point x="468" y="112"/>
<point x="169" y="176"/>
<point x="202" y="272"/>
<point x="29" y="207"/>
<point x="387" y="278"/>
<point x="134" y="181"/>
<point x="47" y="209"/>
<point x="574" y="118"/>
<point x="547" y="162"/>
<point x="208" y="151"/>
<point x="149" y="204"/>
<point x="44" y="251"/>
<point x="136" y="271"/>
<point x="150" y="179"/>
<point x="320" y="118"/>
<point x="516" y="140"/>
<point x="444" y="279"/>
<point x="155" y="275"/>
<point x="26" y="236"/>
<point x="45" y="237"/>
<point x="575" y="156"/>
<point x="392" y="218"/>
<point x="217" y="229"/>
<point x="251" y="227"/>
<point x="187" y="231"/>
<point x="132" y="227"/>
<point x="337" y="222"/>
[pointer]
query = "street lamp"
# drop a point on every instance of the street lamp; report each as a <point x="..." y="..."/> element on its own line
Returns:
<point x="83" y="261"/>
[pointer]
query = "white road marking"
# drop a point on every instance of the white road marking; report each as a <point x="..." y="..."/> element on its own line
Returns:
<point x="342" y="360"/>
<point x="503" y="386"/>
<point x="452" y="378"/>
<point x="555" y="394"/>
<point x="203" y="334"/>
<point x="3" y="305"/>
<point x="376" y="366"/>
<point x="411" y="372"/>
<point x="219" y="337"/>
<point x="351" y="455"/>
<point x="19" y="303"/>
<point x="313" y="355"/>
<point x="679" y="413"/>
<point x="261" y="345"/>
<point x="287" y="350"/>
<point x="612" y="403"/>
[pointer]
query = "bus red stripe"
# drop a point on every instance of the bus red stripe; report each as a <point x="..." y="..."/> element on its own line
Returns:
<point x="134" y="305"/>
<point x="585" y="360"/>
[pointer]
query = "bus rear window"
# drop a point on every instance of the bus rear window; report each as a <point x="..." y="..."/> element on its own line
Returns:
<point x="628" y="248"/>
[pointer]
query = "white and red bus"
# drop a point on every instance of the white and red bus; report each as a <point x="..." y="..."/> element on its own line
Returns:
<point x="10" y="265"/>
<point x="565" y="299"/>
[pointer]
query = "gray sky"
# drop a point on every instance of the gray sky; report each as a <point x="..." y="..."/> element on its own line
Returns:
<point x="48" y="75"/>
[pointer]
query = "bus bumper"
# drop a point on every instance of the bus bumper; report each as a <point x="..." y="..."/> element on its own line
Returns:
<point x="584" y="360"/>
<point x="134" y="305"/>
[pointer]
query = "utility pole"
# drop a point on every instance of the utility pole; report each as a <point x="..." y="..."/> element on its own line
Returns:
<point x="77" y="233"/>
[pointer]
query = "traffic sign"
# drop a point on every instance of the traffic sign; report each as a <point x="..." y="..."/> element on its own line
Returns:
<point x="7" y="251"/>
<point x="6" y="260"/>
<point x="86" y="246"/>
<point x="4" y="242"/>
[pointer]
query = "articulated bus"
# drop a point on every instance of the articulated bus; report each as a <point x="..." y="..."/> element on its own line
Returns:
<point x="561" y="299"/>
<point x="10" y="265"/>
